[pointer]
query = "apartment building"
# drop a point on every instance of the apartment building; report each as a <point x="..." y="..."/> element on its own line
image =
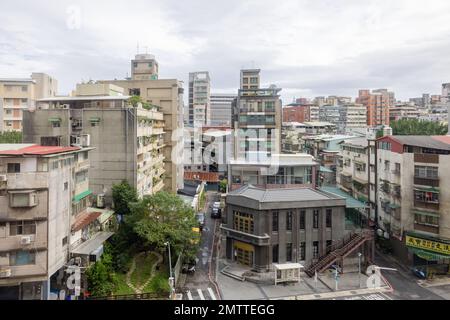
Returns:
<point x="377" y="104"/>
<point x="346" y="117"/>
<point x="300" y="113"/>
<point x="221" y="104"/>
<point x="17" y="95"/>
<point x="43" y="192"/>
<point x="167" y="94"/>
<point x="403" y="111"/>
<point x="355" y="175"/>
<point x="291" y="225"/>
<point x="414" y="196"/>
<point x="256" y="119"/>
<point x="281" y="171"/>
<point x="144" y="67"/>
<point x="128" y="141"/>
<point x="199" y="111"/>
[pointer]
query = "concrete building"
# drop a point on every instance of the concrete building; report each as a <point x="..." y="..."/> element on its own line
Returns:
<point x="221" y="105"/>
<point x="414" y="196"/>
<point x="346" y="116"/>
<point x="256" y="119"/>
<point x="167" y="94"/>
<point x="17" y="95"/>
<point x="131" y="149"/>
<point x="403" y="111"/>
<point x="281" y="171"/>
<point x="144" y="67"/>
<point x="44" y="217"/>
<point x="281" y="226"/>
<point x="377" y="104"/>
<point x="446" y="92"/>
<point x="199" y="98"/>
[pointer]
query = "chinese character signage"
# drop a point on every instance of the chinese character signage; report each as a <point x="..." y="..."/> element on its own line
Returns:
<point x="439" y="247"/>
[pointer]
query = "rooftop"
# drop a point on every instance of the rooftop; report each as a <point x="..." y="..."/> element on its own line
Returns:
<point x="282" y="195"/>
<point x="360" y="142"/>
<point x="432" y="142"/>
<point x="84" y="98"/>
<point x="319" y="124"/>
<point x="32" y="150"/>
<point x="279" y="159"/>
<point x="17" y="80"/>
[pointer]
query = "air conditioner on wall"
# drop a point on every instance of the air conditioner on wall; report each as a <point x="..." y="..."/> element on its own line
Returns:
<point x="5" y="273"/>
<point x="25" y="240"/>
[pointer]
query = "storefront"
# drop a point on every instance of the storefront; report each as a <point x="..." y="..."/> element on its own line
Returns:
<point x="430" y="255"/>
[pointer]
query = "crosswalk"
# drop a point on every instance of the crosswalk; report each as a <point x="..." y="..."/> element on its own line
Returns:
<point x="374" y="296"/>
<point x="200" y="294"/>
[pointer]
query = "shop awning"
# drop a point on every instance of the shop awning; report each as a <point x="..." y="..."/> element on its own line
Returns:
<point x="54" y="119"/>
<point x="350" y="202"/>
<point x="325" y="169"/>
<point x="92" y="244"/>
<point x="394" y="206"/>
<point x="94" y="119"/>
<point x="427" y="255"/>
<point x="82" y="195"/>
<point x="427" y="189"/>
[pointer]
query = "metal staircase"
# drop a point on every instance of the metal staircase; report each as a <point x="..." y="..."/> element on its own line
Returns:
<point x="339" y="251"/>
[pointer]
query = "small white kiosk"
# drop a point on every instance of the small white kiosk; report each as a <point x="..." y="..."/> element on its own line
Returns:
<point x="287" y="272"/>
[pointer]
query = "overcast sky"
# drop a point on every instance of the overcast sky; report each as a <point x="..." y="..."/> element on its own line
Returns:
<point x="309" y="48"/>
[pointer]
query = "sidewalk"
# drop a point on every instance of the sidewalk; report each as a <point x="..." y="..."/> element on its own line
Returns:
<point x="436" y="282"/>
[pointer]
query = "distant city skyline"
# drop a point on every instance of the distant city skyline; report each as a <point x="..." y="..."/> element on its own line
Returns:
<point x="306" y="48"/>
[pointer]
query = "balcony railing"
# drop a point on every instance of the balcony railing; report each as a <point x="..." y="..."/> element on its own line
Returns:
<point x="432" y="182"/>
<point x="426" y="205"/>
<point x="426" y="228"/>
<point x="426" y="158"/>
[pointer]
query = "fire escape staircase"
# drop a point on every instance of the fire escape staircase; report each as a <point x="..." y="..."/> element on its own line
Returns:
<point x="339" y="251"/>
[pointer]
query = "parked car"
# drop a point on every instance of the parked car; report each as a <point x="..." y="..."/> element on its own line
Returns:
<point x="216" y="213"/>
<point x="419" y="272"/>
<point x="201" y="220"/>
<point x="216" y="205"/>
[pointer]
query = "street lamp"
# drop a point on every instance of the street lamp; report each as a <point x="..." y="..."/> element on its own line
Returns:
<point x="359" y="268"/>
<point x="171" y="279"/>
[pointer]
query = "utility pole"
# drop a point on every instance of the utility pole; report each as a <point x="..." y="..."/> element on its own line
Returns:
<point x="171" y="278"/>
<point x="359" y="268"/>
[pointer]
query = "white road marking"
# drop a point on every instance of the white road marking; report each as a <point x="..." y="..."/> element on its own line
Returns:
<point x="211" y="293"/>
<point x="189" y="294"/>
<point x="200" y="293"/>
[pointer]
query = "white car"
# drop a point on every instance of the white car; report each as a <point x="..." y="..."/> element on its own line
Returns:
<point x="216" y="205"/>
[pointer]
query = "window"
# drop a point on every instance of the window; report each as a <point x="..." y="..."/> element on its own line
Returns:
<point x="56" y="124"/>
<point x="302" y="251"/>
<point x="397" y="167"/>
<point x="13" y="167"/>
<point x="24" y="88"/>
<point x="253" y="80"/>
<point x="289" y="252"/>
<point x="21" y="258"/>
<point x="64" y="241"/>
<point x="315" y="249"/>
<point x="275" y="221"/>
<point x="150" y="64"/>
<point x="135" y="64"/>
<point x="316" y="219"/>
<point x="426" y="172"/>
<point x="17" y="228"/>
<point x="18" y="200"/>
<point x="426" y="220"/>
<point x="328" y="218"/>
<point x="243" y="222"/>
<point x="66" y="186"/>
<point x="289" y="220"/>
<point x="425" y="196"/>
<point x="329" y="243"/>
<point x="275" y="253"/>
<point x="245" y="80"/>
<point x="387" y="165"/>
<point x="302" y="219"/>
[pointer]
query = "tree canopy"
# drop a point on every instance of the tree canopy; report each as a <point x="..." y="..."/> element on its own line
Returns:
<point x="11" y="137"/>
<point x="418" y="127"/>
<point x="123" y="195"/>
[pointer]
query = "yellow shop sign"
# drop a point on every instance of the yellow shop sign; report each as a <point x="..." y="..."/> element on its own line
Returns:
<point x="440" y="247"/>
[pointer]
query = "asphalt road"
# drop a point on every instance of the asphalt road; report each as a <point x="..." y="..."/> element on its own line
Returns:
<point x="403" y="281"/>
<point x="200" y="279"/>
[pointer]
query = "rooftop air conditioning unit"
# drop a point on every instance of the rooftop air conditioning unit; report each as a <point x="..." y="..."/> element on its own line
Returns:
<point x="25" y="240"/>
<point x="3" y="177"/>
<point x="5" y="273"/>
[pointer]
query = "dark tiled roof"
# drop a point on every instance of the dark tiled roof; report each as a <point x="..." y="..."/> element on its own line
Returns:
<point x="432" y="142"/>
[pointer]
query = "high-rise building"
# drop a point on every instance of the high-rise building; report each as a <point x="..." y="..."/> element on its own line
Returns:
<point x="17" y="95"/>
<point x="167" y="94"/>
<point x="144" y="67"/>
<point x="446" y="92"/>
<point x="131" y="149"/>
<point x="199" y="98"/>
<point x="221" y="104"/>
<point x="256" y="119"/>
<point x="377" y="104"/>
<point x="346" y="117"/>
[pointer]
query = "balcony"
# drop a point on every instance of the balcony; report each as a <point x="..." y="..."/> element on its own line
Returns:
<point x="246" y="237"/>
<point x="432" y="182"/>
<point x="426" y="228"/>
<point x="426" y="205"/>
<point x="426" y="158"/>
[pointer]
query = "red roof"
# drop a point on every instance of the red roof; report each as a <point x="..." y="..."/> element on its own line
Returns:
<point x="444" y="139"/>
<point x="38" y="150"/>
<point x="83" y="219"/>
<point x="202" y="176"/>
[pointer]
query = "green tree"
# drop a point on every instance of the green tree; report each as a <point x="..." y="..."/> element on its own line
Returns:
<point x="135" y="100"/>
<point x="123" y="195"/>
<point x="165" y="217"/>
<point x="11" y="137"/>
<point x="100" y="277"/>
<point x="223" y="185"/>
<point x="418" y="127"/>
